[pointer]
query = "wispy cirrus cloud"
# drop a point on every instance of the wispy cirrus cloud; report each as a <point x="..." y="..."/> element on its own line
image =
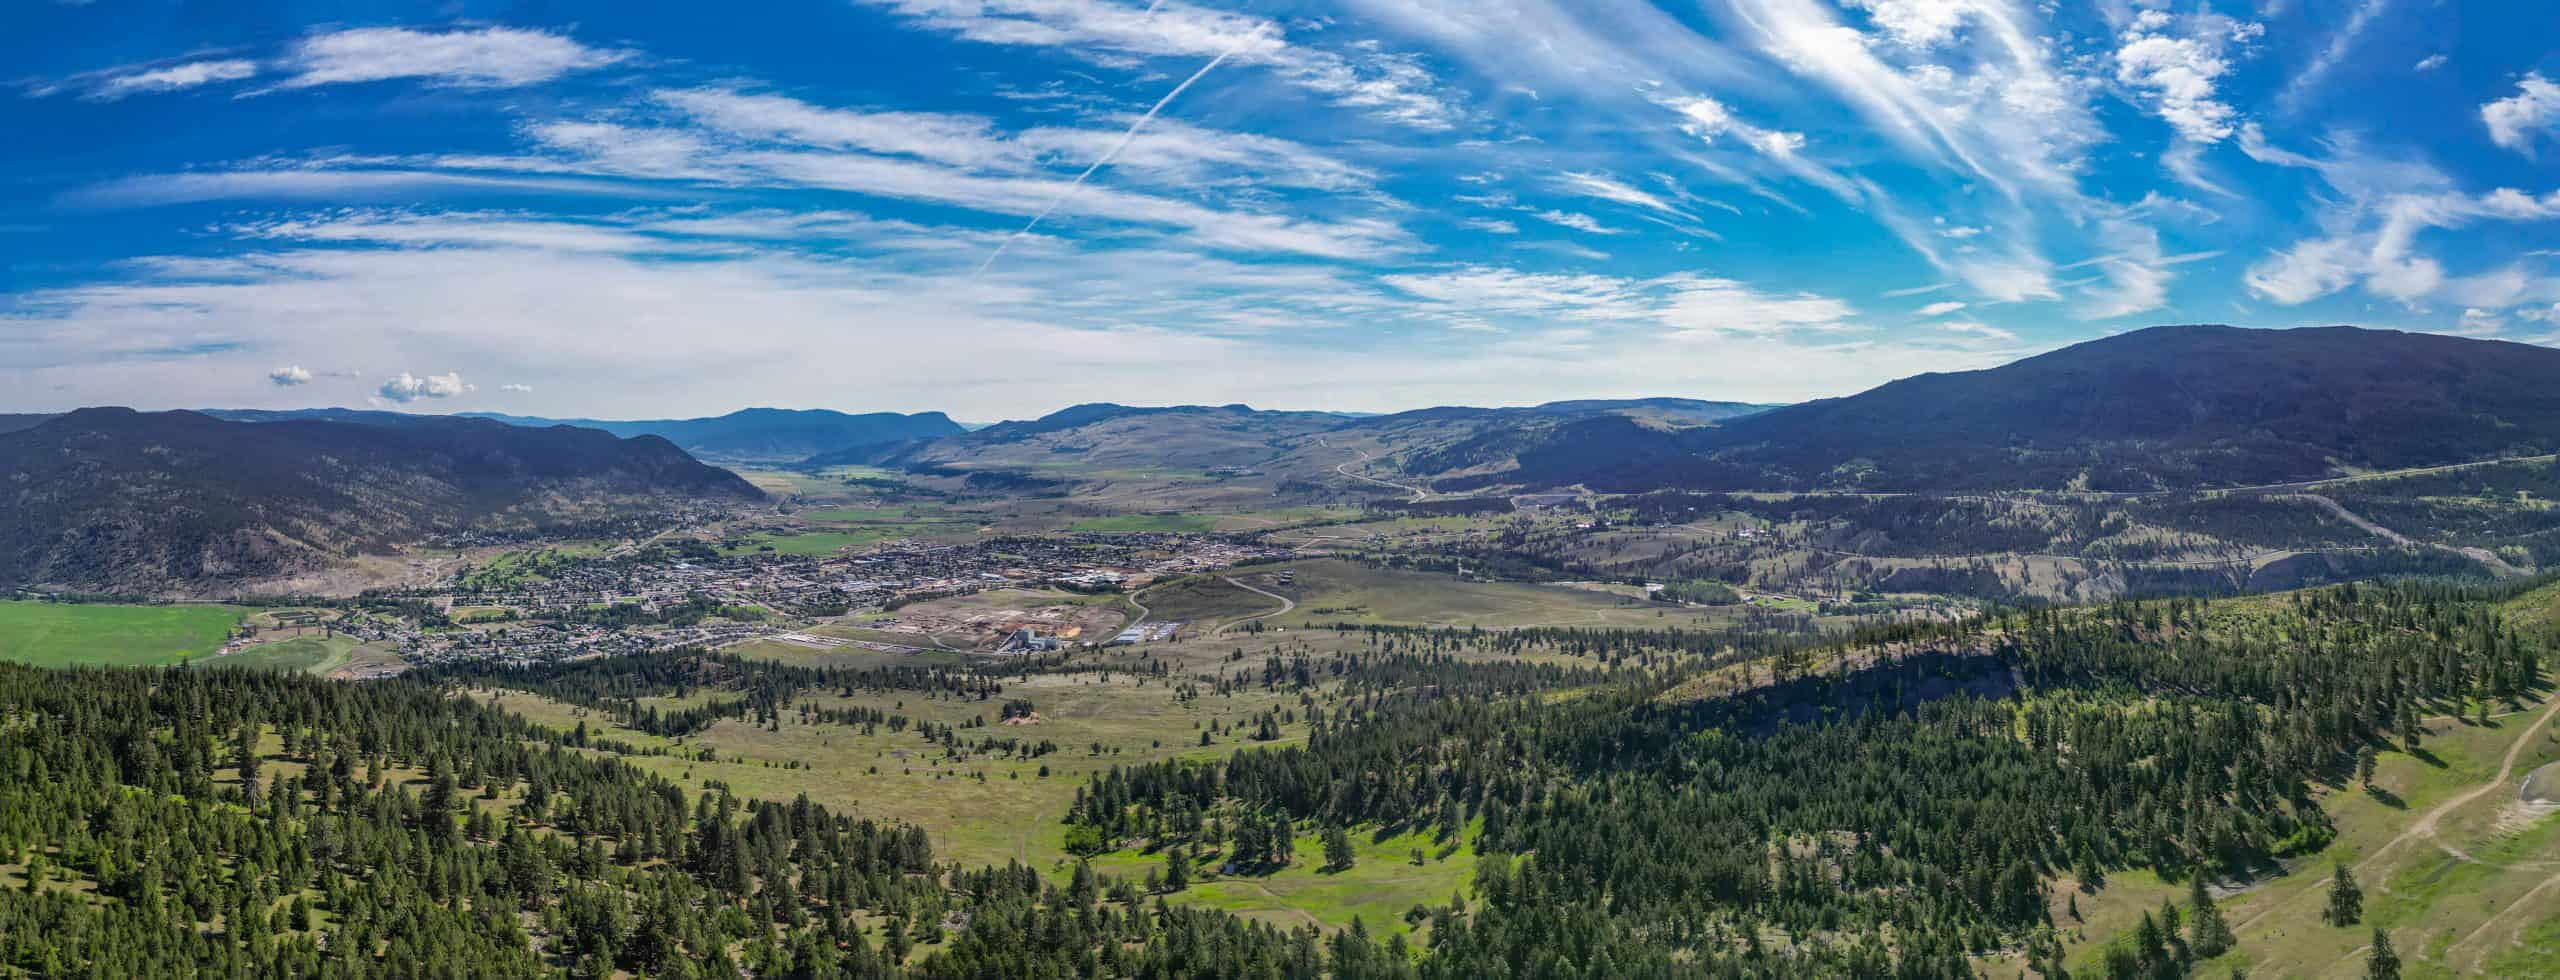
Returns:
<point x="174" y="77"/>
<point x="2372" y="227"/>
<point x="491" y="57"/>
<point x="1386" y="85"/>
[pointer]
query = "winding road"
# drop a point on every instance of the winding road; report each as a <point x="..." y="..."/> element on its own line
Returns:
<point x="1419" y="494"/>
<point x="1286" y="604"/>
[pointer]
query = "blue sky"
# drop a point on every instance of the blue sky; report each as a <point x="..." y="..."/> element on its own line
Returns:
<point x="998" y="207"/>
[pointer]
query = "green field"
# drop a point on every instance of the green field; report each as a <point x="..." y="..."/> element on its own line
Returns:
<point x="1331" y="591"/>
<point x="980" y="809"/>
<point x="303" y="655"/>
<point x="50" y="634"/>
<point x="812" y="543"/>
<point x="1382" y="884"/>
<point x="1146" y="523"/>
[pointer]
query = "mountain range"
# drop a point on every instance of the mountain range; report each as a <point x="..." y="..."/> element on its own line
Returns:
<point x="2163" y="408"/>
<point x="766" y="435"/>
<point x="115" y="498"/>
<point x="110" y="499"/>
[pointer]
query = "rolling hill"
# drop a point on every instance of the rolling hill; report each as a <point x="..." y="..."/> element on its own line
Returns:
<point x="1104" y="436"/>
<point x="766" y="434"/>
<point x="111" y="499"/>
<point x="2167" y="407"/>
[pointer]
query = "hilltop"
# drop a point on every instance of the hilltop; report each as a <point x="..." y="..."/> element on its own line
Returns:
<point x="765" y="434"/>
<point x="112" y="499"/>
<point x="2167" y="407"/>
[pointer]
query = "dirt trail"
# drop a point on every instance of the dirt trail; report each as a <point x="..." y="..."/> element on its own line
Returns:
<point x="2425" y="826"/>
<point x="2522" y="901"/>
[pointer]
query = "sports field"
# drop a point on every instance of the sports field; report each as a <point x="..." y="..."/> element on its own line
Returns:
<point x="51" y="634"/>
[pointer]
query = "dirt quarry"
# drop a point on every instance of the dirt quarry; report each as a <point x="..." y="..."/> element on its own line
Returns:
<point x="984" y="620"/>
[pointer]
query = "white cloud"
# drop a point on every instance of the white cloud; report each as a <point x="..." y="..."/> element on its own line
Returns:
<point x="1918" y="24"/>
<point x="633" y="336"/>
<point x="1680" y="305"/>
<point x="1702" y="304"/>
<point x="2477" y="322"/>
<point x="2315" y="75"/>
<point x="1993" y="106"/>
<point x="1606" y="188"/>
<point x="941" y="137"/>
<point x="2430" y="63"/>
<point x="516" y="389"/>
<point x="1941" y="308"/>
<point x="2177" y="72"/>
<point x="2371" y="229"/>
<point x="2514" y="121"/>
<point x="1173" y="153"/>
<point x="172" y="78"/>
<point x="1386" y="85"/>
<point x="1986" y="332"/>
<point x="289" y="376"/>
<point x="406" y="387"/>
<point x="494" y="57"/>
<point x="1495" y="225"/>
<point x="319" y="183"/>
<point x="1574" y="220"/>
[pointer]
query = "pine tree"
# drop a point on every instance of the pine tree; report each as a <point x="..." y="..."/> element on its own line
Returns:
<point x="1338" y="854"/>
<point x="2383" y="964"/>
<point x="2209" y="934"/>
<point x="2346" y="901"/>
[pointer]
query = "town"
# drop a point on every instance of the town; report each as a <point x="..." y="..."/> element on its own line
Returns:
<point x="681" y="593"/>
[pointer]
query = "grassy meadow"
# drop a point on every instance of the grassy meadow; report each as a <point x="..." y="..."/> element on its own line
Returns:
<point x="50" y="634"/>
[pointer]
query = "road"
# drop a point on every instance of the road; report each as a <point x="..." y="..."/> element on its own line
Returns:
<point x="1143" y="611"/>
<point x="1419" y="494"/>
<point x="1286" y="604"/>
<point x="2497" y="565"/>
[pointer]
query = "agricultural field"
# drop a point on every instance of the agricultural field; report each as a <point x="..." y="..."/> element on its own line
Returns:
<point x="317" y="656"/>
<point x="1330" y="591"/>
<point x="1143" y="523"/>
<point x="51" y="634"/>
<point x="807" y="543"/>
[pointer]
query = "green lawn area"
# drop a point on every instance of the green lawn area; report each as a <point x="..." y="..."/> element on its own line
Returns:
<point x="980" y="809"/>
<point x="815" y="542"/>
<point x="1381" y="885"/>
<point x="50" y="634"/>
<point x="872" y="515"/>
<point x="305" y="655"/>
<point x="1330" y="591"/>
<point x="1146" y="523"/>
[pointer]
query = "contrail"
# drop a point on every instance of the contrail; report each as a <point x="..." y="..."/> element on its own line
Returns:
<point x="1101" y="162"/>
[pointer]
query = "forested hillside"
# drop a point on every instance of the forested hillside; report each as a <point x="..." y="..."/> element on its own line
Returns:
<point x="1904" y="811"/>
<point x="111" y="499"/>
<point x="2167" y="407"/>
<point x="766" y="434"/>
<point x="1918" y="800"/>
